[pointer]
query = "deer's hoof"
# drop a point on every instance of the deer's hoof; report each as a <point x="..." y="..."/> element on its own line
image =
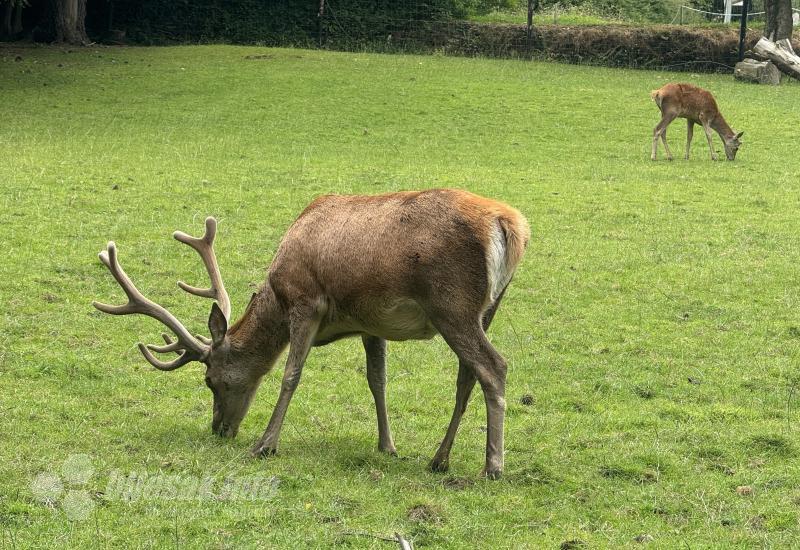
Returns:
<point x="492" y="473"/>
<point x="439" y="466"/>
<point x="389" y="450"/>
<point x="263" y="451"/>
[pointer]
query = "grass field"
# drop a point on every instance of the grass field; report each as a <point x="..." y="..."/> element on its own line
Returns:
<point x="654" y="321"/>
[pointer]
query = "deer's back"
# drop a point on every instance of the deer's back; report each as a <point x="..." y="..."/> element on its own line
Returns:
<point x="686" y="101"/>
<point x="390" y="252"/>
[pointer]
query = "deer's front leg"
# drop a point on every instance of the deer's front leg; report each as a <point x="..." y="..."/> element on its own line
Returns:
<point x="376" y="378"/>
<point x="303" y="325"/>
<point x="689" y="134"/>
<point x="710" y="138"/>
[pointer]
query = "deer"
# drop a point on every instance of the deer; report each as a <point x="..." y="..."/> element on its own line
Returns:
<point x="697" y="106"/>
<point x="399" y="266"/>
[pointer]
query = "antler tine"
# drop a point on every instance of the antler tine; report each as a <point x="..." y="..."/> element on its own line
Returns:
<point x="170" y="345"/>
<point x="193" y="349"/>
<point x="205" y="247"/>
<point x="168" y="340"/>
<point x="181" y="360"/>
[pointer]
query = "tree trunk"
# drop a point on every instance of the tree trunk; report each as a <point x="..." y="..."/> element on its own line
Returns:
<point x="5" y="31"/>
<point x="761" y="72"/>
<point x="780" y="54"/>
<point x="779" y="19"/>
<point x="16" y="28"/>
<point x="70" y="20"/>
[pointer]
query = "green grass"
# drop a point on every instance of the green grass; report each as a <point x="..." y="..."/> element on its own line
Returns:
<point x="631" y="13"/>
<point x="640" y="275"/>
<point x="556" y="15"/>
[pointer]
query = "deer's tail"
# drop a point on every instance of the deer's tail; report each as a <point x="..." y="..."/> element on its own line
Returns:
<point x="655" y="95"/>
<point x="507" y="242"/>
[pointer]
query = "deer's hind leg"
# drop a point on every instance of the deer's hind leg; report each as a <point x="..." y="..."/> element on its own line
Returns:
<point x="689" y="133"/>
<point x="464" y="385"/>
<point x="660" y="131"/>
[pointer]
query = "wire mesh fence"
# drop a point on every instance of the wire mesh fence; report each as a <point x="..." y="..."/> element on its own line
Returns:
<point x="756" y="14"/>
<point x="691" y="35"/>
<point x="695" y="39"/>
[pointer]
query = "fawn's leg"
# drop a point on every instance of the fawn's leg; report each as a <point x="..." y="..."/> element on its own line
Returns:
<point x="689" y="133"/>
<point x="709" y="137"/>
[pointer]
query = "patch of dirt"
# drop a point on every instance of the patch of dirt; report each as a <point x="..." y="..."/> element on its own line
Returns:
<point x="527" y="400"/>
<point x="457" y="483"/>
<point x="757" y="522"/>
<point x="423" y="513"/>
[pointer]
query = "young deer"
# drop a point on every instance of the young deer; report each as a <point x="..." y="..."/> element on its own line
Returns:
<point x="697" y="106"/>
<point x="390" y="267"/>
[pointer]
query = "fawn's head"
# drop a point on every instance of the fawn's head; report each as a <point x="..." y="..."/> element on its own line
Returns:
<point x="231" y="376"/>
<point x="732" y="145"/>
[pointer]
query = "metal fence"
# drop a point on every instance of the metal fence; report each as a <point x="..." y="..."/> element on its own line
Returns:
<point x="696" y="40"/>
<point x="692" y="43"/>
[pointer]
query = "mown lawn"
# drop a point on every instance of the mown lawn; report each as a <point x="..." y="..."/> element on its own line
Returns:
<point x="654" y="322"/>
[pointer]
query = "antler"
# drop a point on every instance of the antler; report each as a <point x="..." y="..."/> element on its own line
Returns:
<point x="191" y="348"/>
<point x="205" y="247"/>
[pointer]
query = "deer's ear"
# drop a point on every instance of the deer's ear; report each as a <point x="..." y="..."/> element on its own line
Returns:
<point x="739" y="135"/>
<point x="217" y="324"/>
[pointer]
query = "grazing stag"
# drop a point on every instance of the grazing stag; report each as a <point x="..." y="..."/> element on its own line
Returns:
<point x="399" y="266"/>
<point x="697" y="106"/>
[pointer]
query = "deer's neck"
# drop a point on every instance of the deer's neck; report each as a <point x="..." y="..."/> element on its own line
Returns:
<point x="721" y="127"/>
<point x="262" y="333"/>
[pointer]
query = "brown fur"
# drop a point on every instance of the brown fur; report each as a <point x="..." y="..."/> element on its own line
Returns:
<point x="398" y="266"/>
<point x="697" y="106"/>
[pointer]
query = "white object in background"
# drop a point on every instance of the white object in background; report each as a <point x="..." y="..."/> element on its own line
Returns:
<point x="728" y="10"/>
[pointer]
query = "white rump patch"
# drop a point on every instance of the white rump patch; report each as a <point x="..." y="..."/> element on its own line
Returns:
<point x="496" y="267"/>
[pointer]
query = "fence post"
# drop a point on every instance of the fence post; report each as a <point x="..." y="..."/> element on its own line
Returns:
<point x="320" y="28"/>
<point x="680" y="19"/>
<point x="743" y="28"/>
<point x="530" y="28"/>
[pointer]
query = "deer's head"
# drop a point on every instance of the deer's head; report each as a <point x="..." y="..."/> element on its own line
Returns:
<point x="732" y="145"/>
<point x="232" y="377"/>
